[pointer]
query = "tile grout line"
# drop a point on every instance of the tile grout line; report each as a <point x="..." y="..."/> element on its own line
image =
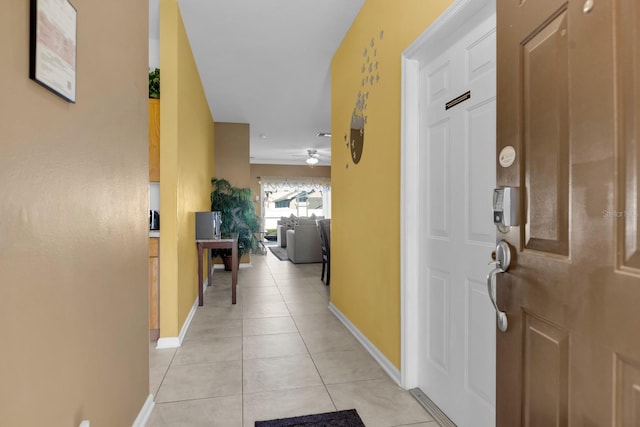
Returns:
<point x="335" y="407"/>
<point x="305" y="345"/>
<point x="241" y="302"/>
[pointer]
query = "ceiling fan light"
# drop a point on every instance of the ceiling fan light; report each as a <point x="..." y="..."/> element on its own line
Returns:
<point x="312" y="161"/>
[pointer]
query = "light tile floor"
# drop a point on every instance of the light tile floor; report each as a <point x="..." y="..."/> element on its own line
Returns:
<point x="279" y="352"/>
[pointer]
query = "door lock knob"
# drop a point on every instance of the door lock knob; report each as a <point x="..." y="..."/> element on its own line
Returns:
<point x="502" y="257"/>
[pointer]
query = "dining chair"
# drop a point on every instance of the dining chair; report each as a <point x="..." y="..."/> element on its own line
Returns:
<point x="324" y="229"/>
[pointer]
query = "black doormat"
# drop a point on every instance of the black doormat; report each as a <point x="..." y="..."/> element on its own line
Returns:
<point x="348" y="418"/>
<point x="280" y="253"/>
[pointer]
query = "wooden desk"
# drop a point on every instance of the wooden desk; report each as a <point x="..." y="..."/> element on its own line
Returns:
<point x="217" y="244"/>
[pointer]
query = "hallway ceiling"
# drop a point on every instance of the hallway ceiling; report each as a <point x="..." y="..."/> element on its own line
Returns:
<point x="267" y="63"/>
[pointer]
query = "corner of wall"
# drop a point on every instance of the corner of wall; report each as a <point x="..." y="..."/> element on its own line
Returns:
<point x="365" y="76"/>
<point x="186" y="168"/>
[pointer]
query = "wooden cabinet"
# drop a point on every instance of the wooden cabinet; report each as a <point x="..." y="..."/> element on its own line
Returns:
<point x="154" y="288"/>
<point x="154" y="140"/>
<point x="154" y="242"/>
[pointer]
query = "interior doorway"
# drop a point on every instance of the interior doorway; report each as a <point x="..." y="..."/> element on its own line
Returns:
<point x="448" y="172"/>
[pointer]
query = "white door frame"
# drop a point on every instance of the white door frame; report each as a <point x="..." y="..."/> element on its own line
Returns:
<point x="428" y="43"/>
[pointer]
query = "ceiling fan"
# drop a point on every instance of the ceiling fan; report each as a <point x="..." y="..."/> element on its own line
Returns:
<point x="312" y="156"/>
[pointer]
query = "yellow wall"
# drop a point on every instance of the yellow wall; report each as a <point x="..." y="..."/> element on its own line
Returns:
<point x="365" y="277"/>
<point x="186" y="168"/>
<point x="74" y="225"/>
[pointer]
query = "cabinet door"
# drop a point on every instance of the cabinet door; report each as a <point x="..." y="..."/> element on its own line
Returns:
<point x="154" y="140"/>
<point x="154" y="287"/>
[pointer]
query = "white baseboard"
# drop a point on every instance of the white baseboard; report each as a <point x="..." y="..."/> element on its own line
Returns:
<point x="145" y="413"/>
<point x="175" y="342"/>
<point x="242" y="265"/>
<point x="388" y="367"/>
<point x="168" y="342"/>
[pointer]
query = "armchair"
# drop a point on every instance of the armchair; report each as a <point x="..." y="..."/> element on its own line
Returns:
<point x="286" y="223"/>
<point x="303" y="244"/>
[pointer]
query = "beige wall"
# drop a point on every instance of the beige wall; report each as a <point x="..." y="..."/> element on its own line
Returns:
<point x="365" y="285"/>
<point x="232" y="153"/>
<point x="74" y="225"/>
<point x="186" y="168"/>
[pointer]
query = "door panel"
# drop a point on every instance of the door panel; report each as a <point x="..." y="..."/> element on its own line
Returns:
<point x="438" y="150"/>
<point x="545" y="104"/>
<point x="568" y="102"/>
<point x="546" y="371"/>
<point x="480" y="343"/>
<point x="628" y="392"/>
<point x="481" y="133"/>
<point x="439" y="320"/>
<point x="457" y="155"/>
<point x="628" y="55"/>
<point x="481" y="57"/>
<point x="438" y="82"/>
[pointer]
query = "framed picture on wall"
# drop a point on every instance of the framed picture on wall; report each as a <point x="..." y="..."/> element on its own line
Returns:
<point x="52" y="46"/>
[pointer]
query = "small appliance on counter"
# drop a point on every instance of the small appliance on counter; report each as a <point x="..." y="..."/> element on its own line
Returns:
<point x="208" y="225"/>
<point x="154" y="220"/>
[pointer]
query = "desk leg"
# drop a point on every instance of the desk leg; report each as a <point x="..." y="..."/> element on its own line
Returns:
<point x="234" y="271"/>
<point x="200" y="302"/>
<point x="209" y="278"/>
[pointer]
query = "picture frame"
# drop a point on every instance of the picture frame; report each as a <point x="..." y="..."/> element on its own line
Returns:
<point x="52" y="46"/>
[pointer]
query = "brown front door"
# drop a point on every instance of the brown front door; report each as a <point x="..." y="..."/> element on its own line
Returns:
<point x="568" y="101"/>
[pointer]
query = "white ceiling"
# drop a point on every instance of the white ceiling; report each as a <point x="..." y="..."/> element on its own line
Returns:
<point x="267" y="63"/>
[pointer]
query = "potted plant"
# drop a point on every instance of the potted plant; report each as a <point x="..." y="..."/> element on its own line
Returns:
<point x="238" y="217"/>
<point x="154" y="84"/>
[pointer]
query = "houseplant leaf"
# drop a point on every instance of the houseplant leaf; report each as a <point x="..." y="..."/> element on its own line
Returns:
<point x="154" y="84"/>
<point x="238" y="215"/>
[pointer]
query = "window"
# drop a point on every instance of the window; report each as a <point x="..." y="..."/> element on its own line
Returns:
<point x="298" y="196"/>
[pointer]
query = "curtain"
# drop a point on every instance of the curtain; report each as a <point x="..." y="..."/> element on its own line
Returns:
<point x="270" y="183"/>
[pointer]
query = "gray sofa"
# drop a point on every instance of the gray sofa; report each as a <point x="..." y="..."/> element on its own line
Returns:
<point x="303" y="244"/>
<point x="288" y="223"/>
<point x="281" y="235"/>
